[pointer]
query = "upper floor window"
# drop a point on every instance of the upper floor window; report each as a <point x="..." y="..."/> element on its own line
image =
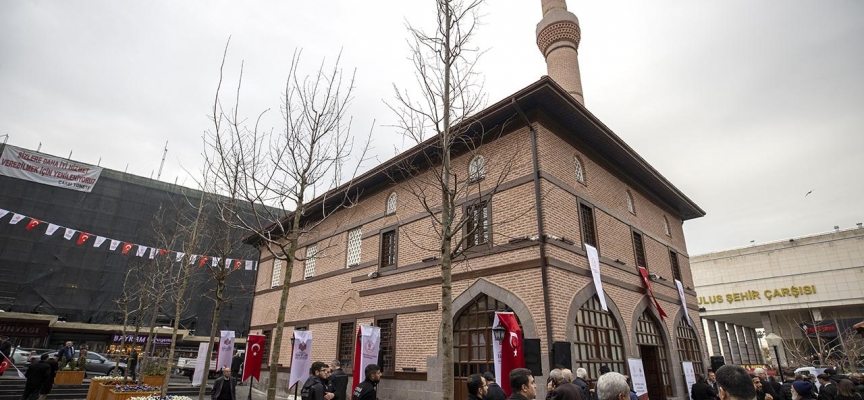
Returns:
<point x="676" y="269"/>
<point x="276" y="277"/>
<point x="477" y="224"/>
<point x="476" y="168"/>
<point x="389" y="247"/>
<point x="666" y="228"/>
<point x="630" y="206"/>
<point x="391" y="204"/>
<point x="639" y="248"/>
<point x="354" y="247"/>
<point x="311" y="253"/>
<point x="589" y="233"/>
<point x="580" y="170"/>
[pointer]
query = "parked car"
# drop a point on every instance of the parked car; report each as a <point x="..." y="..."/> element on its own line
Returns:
<point x="97" y="364"/>
<point x="23" y="354"/>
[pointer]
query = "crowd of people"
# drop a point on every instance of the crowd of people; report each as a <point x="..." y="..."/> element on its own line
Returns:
<point x="831" y="386"/>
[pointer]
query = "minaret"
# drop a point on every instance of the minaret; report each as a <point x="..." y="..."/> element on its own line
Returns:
<point x="558" y="37"/>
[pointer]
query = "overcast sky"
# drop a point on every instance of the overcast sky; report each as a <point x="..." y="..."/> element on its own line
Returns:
<point x="743" y="105"/>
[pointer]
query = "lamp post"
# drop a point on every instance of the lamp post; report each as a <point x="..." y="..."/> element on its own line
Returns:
<point x="498" y="332"/>
<point x="297" y="384"/>
<point x="774" y="340"/>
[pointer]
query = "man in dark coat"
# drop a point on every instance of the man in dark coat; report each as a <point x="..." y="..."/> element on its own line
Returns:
<point x="49" y="383"/>
<point x="66" y="354"/>
<point x="368" y="389"/>
<point x="36" y="376"/>
<point x="236" y="363"/>
<point x="701" y="390"/>
<point x="339" y="379"/>
<point x="582" y="381"/>
<point x="476" y="387"/>
<point x="493" y="390"/>
<point x="314" y="387"/>
<point x="225" y="387"/>
<point x="786" y="388"/>
<point x="829" y="389"/>
<point x="522" y="385"/>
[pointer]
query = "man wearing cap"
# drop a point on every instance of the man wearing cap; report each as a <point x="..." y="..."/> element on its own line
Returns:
<point x="802" y="390"/>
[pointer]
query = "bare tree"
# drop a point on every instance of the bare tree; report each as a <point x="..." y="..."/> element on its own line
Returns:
<point x="128" y="304"/>
<point x="827" y="345"/>
<point x="277" y="171"/>
<point x="441" y="119"/>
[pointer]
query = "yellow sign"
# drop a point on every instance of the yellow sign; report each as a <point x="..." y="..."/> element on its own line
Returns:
<point x="792" y="291"/>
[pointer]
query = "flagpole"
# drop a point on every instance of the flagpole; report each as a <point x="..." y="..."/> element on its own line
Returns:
<point x="251" y="381"/>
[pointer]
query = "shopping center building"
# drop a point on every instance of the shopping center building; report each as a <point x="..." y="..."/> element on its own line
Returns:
<point x="809" y="291"/>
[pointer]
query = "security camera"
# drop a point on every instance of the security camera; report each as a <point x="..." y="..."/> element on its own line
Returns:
<point x="373" y="274"/>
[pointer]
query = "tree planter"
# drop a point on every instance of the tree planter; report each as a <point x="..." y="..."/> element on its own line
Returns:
<point x="115" y="395"/>
<point x="96" y="391"/>
<point x="154" y="380"/>
<point x="66" y="378"/>
<point x="104" y="390"/>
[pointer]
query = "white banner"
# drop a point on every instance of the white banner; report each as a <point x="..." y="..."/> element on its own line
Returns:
<point x="683" y="301"/>
<point x="226" y="350"/>
<point x="689" y="376"/>
<point x="51" y="229"/>
<point x="301" y="358"/>
<point x="68" y="234"/>
<point x="48" y="170"/>
<point x="198" y="376"/>
<point x="99" y="241"/>
<point x="637" y="376"/>
<point x="594" y="262"/>
<point x="370" y="343"/>
<point x="16" y="218"/>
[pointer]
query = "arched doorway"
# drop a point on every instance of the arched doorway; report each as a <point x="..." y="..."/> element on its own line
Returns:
<point x="688" y="348"/>
<point x="652" y="348"/>
<point x="597" y="340"/>
<point x="472" y="341"/>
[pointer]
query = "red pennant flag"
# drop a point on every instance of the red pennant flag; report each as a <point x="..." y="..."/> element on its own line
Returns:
<point x="202" y="261"/>
<point x="126" y="247"/>
<point x="163" y="252"/>
<point x="238" y="264"/>
<point x="647" y="281"/>
<point x="33" y="223"/>
<point x="83" y="237"/>
<point x="254" y="357"/>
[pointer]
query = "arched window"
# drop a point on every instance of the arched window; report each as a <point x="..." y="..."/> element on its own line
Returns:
<point x="597" y="340"/>
<point x="391" y="204"/>
<point x="652" y="348"/>
<point x="580" y="170"/>
<point x="630" y="206"/>
<point x="666" y="228"/>
<point x="476" y="168"/>
<point x="472" y="341"/>
<point x="688" y="347"/>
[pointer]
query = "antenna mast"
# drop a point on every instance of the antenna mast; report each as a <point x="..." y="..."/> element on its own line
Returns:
<point x="162" y="164"/>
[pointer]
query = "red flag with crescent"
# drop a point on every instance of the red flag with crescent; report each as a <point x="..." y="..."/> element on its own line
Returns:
<point x="203" y="260"/>
<point x="5" y="364"/>
<point x="509" y="352"/>
<point x="83" y="237"/>
<point x="254" y="357"/>
<point x="126" y="247"/>
<point x="647" y="281"/>
<point x="33" y="223"/>
<point x="238" y="264"/>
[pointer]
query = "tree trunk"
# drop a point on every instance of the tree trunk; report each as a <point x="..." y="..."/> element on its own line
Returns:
<point x="178" y="306"/>
<point x="280" y="318"/>
<point x="447" y="214"/>
<point x="214" y="324"/>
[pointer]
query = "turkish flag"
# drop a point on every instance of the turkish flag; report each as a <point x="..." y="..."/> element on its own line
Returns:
<point x="163" y="252"/>
<point x="254" y="357"/>
<point x="238" y="264"/>
<point x="83" y="237"/>
<point x="33" y="223"/>
<point x="508" y="353"/>
<point x="126" y="247"/>
<point x="647" y="281"/>
<point x="203" y="260"/>
<point x="4" y="365"/>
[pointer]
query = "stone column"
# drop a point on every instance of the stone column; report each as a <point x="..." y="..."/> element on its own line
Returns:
<point x="726" y="339"/>
<point x="734" y="343"/>
<point x="757" y="347"/>
<point x="712" y="335"/>
<point x="743" y="345"/>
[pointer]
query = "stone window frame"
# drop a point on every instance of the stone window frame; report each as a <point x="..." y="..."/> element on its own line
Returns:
<point x="477" y="169"/>
<point x="637" y="238"/>
<point x="354" y="247"/>
<point x="384" y="355"/>
<point x="588" y="228"/>
<point x="309" y="262"/>
<point x="631" y="203"/>
<point x="391" y="205"/>
<point x="579" y="170"/>
<point x="484" y="202"/>
<point x="276" y="273"/>
<point x="667" y="229"/>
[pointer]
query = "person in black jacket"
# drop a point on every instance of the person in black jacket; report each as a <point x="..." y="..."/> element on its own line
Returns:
<point x="36" y="376"/>
<point x="701" y="390"/>
<point x="582" y="381"/>
<point x="236" y="364"/>
<point x="786" y="388"/>
<point x="493" y="390"/>
<point x="734" y="383"/>
<point x="314" y="388"/>
<point x="339" y="379"/>
<point x="828" y="389"/>
<point x="368" y="389"/>
<point x="767" y="387"/>
<point x="225" y="387"/>
<point x="803" y="390"/>
<point x="476" y="387"/>
<point x="49" y="383"/>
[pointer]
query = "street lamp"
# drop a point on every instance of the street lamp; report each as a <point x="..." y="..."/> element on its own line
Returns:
<point x="498" y="332"/>
<point x="774" y="340"/>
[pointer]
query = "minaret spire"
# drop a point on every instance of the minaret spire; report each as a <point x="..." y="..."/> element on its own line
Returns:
<point x="558" y="36"/>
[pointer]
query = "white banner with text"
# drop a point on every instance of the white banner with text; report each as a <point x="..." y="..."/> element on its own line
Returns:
<point x="42" y="168"/>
